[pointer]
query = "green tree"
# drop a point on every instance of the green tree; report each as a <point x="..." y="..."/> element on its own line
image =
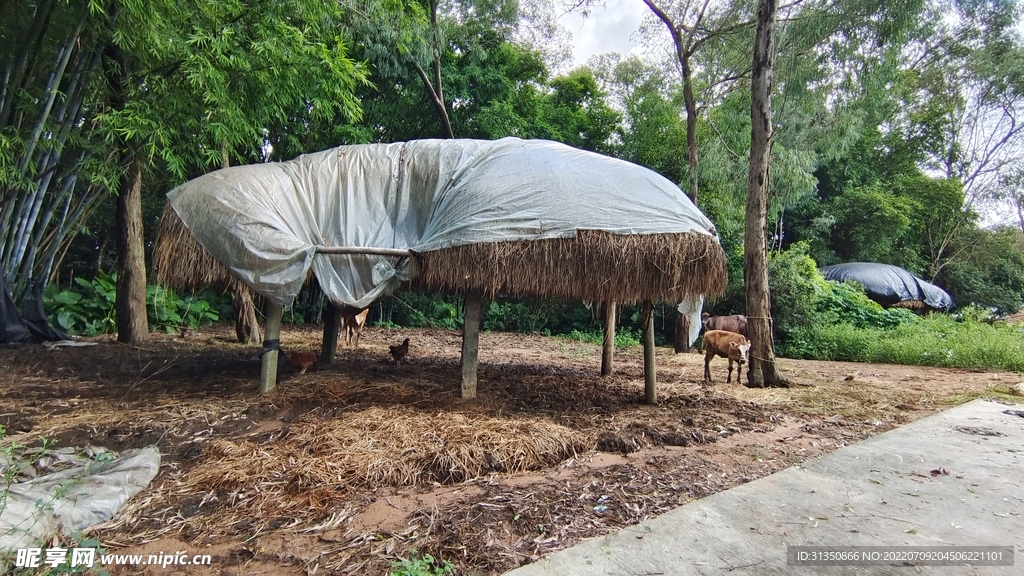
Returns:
<point x="761" y="370"/>
<point x="53" y="168"/>
<point x="653" y="134"/>
<point x="991" y="275"/>
<point x="191" y="83"/>
<point x="692" y="27"/>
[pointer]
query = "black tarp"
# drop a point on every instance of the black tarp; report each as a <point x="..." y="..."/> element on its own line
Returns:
<point x="34" y="316"/>
<point x="29" y="325"/>
<point x="889" y="285"/>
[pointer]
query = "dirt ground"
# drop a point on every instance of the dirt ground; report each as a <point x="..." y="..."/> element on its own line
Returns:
<point x="195" y="397"/>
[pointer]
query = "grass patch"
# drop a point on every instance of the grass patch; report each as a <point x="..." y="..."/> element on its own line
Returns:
<point x="938" y="340"/>
<point x="624" y="337"/>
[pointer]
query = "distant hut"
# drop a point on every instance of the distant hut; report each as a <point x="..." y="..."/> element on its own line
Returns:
<point x="891" y="286"/>
<point x="510" y="217"/>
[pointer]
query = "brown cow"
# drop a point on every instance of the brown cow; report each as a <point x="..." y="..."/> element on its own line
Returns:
<point x="729" y="345"/>
<point x="353" y="320"/>
<point x="737" y="323"/>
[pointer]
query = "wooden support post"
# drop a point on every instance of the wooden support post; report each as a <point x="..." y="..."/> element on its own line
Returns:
<point x="471" y="343"/>
<point x="268" y="372"/>
<point x="609" y="339"/>
<point x="650" y="392"/>
<point x="332" y="325"/>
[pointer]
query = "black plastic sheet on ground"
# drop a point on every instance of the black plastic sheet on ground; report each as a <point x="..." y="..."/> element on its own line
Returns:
<point x="890" y="285"/>
<point x="29" y="325"/>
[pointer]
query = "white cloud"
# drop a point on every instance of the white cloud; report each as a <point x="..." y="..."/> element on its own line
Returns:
<point x="607" y="29"/>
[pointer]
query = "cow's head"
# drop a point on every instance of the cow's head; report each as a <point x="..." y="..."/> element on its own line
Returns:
<point x="740" y="351"/>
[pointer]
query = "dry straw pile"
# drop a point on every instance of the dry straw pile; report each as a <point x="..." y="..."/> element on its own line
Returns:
<point x="302" y="477"/>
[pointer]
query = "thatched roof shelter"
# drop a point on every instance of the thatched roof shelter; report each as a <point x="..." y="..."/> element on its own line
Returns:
<point x="512" y="217"/>
<point x="523" y="218"/>
<point x="595" y="266"/>
<point x="891" y="286"/>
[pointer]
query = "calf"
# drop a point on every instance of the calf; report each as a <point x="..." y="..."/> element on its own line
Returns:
<point x="737" y="323"/>
<point x="729" y="345"/>
<point x="353" y="320"/>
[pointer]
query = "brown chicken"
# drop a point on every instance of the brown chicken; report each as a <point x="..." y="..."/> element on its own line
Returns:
<point x="399" y="352"/>
<point x="303" y="360"/>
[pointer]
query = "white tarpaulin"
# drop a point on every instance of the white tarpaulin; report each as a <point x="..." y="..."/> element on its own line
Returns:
<point x="265" y="221"/>
<point x="691" y="308"/>
<point x="74" y="499"/>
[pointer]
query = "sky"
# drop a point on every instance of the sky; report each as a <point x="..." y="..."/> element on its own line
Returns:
<point x="612" y="27"/>
<point x="607" y="29"/>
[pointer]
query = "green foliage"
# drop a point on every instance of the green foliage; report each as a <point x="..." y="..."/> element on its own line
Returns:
<point x="417" y="309"/>
<point x="207" y="74"/>
<point x="90" y="309"/>
<point x="796" y="288"/>
<point x="804" y="303"/>
<point x="425" y="565"/>
<point x="872" y="225"/>
<point x="938" y="340"/>
<point x="575" y="320"/>
<point x="169" y="312"/>
<point x="624" y="337"/>
<point x="992" y="277"/>
<point x="654" y="133"/>
<point x="526" y="316"/>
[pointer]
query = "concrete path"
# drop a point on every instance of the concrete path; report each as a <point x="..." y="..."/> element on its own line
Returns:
<point x="952" y="479"/>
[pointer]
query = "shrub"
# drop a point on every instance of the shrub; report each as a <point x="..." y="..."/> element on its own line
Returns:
<point x="624" y="337"/>
<point x="796" y="289"/>
<point x="527" y="316"/>
<point x="425" y="565"/>
<point x="847" y="303"/>
<point x="937" y="340"/>
<point x="90" y="309"/>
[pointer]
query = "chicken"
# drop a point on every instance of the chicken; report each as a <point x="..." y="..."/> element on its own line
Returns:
<point x="399" y="352"/>
<point x="303" y="360"/>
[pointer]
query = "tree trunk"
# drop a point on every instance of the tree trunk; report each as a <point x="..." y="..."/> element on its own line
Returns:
<point x="247" y="327"/>
<point x="685" y="48"/>
<point x="762" y="370"/>
<point x="690" y="103"/>
<point x="132" y="323"/>
<point x="434" y="88"/>
<point x="681" y="336"/>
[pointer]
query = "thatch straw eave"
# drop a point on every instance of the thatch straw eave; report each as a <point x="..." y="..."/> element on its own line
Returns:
<point x="594" y="265"/>
<point x="181" y="263"/>
<point x="915" y="305"/>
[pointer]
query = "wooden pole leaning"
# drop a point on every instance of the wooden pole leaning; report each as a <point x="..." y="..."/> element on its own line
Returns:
<point x="471" y="342"/>
<point x="271" y="347"/>
<point x="608" y="353"/>
<point x="650" y="390"/>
